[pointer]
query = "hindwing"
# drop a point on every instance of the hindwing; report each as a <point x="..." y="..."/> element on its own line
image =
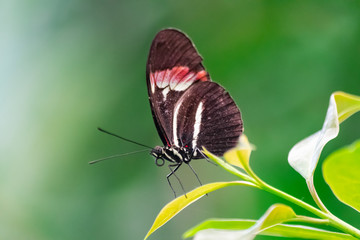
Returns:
<point x="206" y="116"/>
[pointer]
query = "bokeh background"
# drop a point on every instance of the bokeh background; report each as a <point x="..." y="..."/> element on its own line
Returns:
<point x="67" y="67"/>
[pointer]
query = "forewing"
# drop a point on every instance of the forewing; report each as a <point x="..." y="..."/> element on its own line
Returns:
<point x="207" y="116"/>
<point x="173" y="66"/>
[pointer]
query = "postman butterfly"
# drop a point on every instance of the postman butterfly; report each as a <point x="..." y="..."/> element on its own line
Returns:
<point x="189" y="110"/>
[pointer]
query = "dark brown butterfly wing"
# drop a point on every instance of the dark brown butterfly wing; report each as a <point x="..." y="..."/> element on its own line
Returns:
<point x="173" y="66"/>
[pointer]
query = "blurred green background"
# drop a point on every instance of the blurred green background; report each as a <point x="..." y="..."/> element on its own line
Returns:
<point x="67" y="67"/>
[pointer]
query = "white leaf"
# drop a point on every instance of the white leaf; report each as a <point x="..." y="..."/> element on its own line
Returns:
<point x="304" y="156"/>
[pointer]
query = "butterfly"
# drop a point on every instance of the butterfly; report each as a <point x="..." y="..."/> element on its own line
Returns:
<point x="189" y="110"/>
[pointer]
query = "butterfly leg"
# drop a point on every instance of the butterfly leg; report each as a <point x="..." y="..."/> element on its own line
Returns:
<point x="188" y="163"/>
<point x="195" y="173"/>
<point x="177" y="165"/>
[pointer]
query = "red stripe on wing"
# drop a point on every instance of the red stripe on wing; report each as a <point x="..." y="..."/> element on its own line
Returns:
<point x="178" y="78"/>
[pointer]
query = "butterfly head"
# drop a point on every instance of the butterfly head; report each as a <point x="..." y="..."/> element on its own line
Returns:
<point x="157" y="152"/>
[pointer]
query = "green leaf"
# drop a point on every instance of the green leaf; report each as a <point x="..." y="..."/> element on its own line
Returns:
<point x="276" y="214"/>
<point x="240" y="155"/>
<point x="280" y="230"/>
<point x="347" y="105"/>
<point x="178" y="204"/>
<point x="303" y="157"/>
<point x="341" y="171"/>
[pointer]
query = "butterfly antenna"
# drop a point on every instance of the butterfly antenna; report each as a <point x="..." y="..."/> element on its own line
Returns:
<point x="117" y="155"/>
<point x="128" y="140"/>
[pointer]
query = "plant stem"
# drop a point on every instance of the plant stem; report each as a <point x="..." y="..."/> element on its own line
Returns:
<point x="315" y="196"/>
<point x="343" y="226"/>
<point x="306" y="219"/>
<point x="333" y="220"/>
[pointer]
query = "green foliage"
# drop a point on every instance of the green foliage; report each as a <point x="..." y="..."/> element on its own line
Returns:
<point x="341" y="171"/>
<point x="276" y="214"/>
<point x="279" y="230"/>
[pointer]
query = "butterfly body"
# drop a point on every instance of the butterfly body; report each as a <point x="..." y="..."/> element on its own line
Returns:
<point x="174" y="155"/>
